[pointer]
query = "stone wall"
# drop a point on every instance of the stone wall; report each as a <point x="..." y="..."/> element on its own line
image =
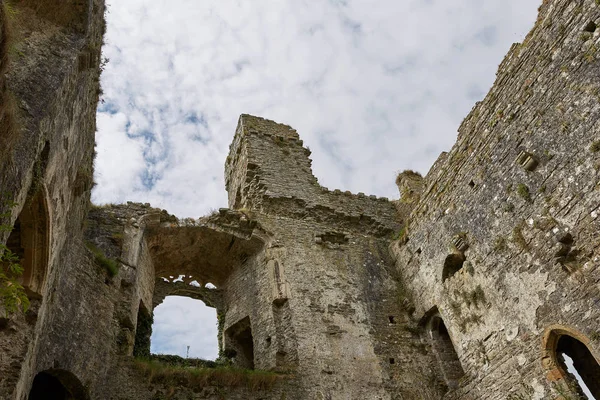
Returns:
<point x="50" y="159"/>
<point x="517" y="197"/>
<point x="268" y="170"/>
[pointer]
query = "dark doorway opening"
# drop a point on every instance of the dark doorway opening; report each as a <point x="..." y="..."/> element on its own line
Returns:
<point x="48" y="387"/>
<point x="239" y="343"/>
<point x="57" y="384"/>
<point x="445" y="353"/>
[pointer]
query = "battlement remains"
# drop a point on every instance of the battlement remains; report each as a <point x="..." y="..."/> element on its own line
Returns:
<point x="269" y="170"/>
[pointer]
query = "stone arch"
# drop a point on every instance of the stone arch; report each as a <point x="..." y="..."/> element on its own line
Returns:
<point x="57" y="384"/>
<point x="452" y="264"/>
<point x="443" y="348"/>
<point x="30" y="241"/>
<point x="560" y="340"/>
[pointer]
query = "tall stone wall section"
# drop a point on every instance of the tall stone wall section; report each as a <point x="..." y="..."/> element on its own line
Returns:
<point x="339" y="303"/>
<point x="49" y="162"/>
<point x="518" y="196"/>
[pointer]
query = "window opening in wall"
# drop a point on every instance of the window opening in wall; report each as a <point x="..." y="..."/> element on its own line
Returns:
<point x="57" y="384"/>
<point x="445" y="353"/>
<point x="590" y="27"/>
<point x="580" y="366"/>
<point x="239" y="343"/>
<point x="452" y="264"/>
<point x="392" y="319"/>
<point x="210" y="286"/>
<point x="392" y="361"/>
<point x="180" y="322"/>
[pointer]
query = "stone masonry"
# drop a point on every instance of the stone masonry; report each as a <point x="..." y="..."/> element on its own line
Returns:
<point x="475" y="284"/>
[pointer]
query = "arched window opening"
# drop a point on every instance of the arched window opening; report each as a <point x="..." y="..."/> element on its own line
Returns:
<point x="184" y="327"/>
<point x="573" y="363"/>
<point x="29" y="240"/>
<point x="56" y="384"/>
<point x="452" y="264"/>
<point x="445" y="353"/>
<point x="239" y="344"/>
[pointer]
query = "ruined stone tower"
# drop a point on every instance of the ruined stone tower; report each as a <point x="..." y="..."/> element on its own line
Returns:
<point x="481" y="282"/>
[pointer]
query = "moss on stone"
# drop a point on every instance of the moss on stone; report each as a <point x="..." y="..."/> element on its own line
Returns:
<point x="143" y="331"/>
<point x="523" y="192"/>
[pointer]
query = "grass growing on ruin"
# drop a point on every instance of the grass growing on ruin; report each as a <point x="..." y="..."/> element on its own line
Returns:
<point x="12" y="293"/>
<point x="595" y="147"/>
<point x="198" y="378"/>
<point x="110" y="265"/>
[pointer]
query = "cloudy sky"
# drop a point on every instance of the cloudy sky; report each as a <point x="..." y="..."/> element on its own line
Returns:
<point x="373" y="87"/>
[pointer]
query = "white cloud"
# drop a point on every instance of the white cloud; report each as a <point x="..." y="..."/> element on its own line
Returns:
<point x="372" y="88"/>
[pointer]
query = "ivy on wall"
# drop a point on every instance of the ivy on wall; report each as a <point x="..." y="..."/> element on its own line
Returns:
<point x="143" y="331"/>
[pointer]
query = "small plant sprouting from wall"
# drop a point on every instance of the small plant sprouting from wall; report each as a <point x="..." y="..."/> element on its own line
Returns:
<point x="402" y="234"/>
<point x="110" y="265"/>
<point x="595" y="146"/>
<point x="568" y="390"/>
<point x="500" y="244"/>
<point x="475" y="297"/>
<point x="518" y="238"/>
<point x="523" y="192"/>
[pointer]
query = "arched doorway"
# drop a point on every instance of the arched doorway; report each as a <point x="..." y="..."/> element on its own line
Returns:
<point x="570" y="362"/>
<point x="29" y="240"/>
<point x="239" y="343"/>
<point x="57" y="384"/>
<point x="445" y="353"/>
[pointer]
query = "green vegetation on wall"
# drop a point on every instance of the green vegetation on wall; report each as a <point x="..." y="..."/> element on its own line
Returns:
<point x="12" y="293"/>
<point x="110" y="265"/>
<point x="143" y="331"/>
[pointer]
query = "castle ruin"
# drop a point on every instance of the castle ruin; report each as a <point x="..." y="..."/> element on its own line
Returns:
<point x="475" y="284"/>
